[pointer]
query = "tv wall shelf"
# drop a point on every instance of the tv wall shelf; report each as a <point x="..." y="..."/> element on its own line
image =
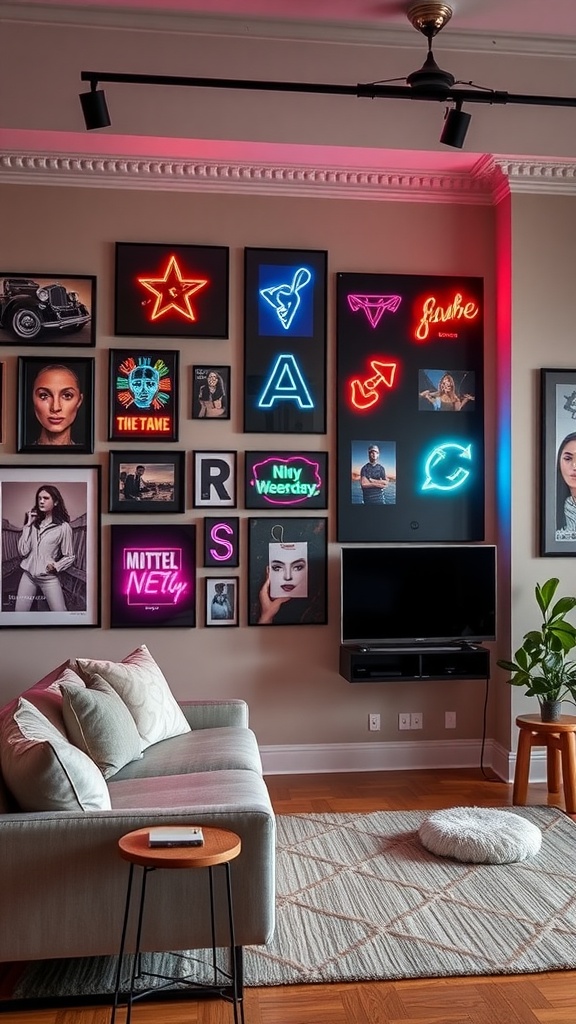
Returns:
<point x="398" y="665"/>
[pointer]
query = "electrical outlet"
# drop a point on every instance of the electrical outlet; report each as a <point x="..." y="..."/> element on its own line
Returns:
<point x="416" y="720"/>
<point x="404" y="720"/>
<point x="449" y="719"/>
<point x="374" y="723"/>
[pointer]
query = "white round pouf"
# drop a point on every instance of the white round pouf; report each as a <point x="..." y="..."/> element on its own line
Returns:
<point x="480" y="835"/>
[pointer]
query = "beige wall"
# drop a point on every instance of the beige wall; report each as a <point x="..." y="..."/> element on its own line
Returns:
<point x="289" y="675"/>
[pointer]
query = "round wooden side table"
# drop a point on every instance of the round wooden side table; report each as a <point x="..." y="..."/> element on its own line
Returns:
<point x="559" y="738"/>
<point x="220" y="846"/>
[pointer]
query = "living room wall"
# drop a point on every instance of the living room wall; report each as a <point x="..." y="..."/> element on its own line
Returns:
<point x="289" y="675"/>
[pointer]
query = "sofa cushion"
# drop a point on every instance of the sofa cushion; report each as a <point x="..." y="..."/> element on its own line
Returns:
<point x="99" y="723"/>
<point x="204" y="750"/>
<point x="43" y="771"/>
<point x="141" y="684"/>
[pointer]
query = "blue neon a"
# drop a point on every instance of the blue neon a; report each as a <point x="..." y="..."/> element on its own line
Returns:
<point x="285" y="383"/>
<point x="447" y="467"/>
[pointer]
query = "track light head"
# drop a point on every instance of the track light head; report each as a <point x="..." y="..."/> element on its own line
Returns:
<point x="94" y="108"/>
<point x="456" y="124"/>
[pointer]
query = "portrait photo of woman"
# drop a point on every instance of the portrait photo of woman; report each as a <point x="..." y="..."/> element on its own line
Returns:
<point x="566" y="489"/>
<point x="210" y="387"/>
<point x="287" y="572"/>
<point x="55" y="405"/>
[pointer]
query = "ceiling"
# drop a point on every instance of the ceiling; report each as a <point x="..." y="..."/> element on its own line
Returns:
<point x="534" y="18"/>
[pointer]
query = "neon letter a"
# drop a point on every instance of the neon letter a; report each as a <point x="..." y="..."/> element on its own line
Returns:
<point x="286" y="381"/>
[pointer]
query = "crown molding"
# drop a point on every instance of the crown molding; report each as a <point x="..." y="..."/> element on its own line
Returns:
<point x="366" y="33"/>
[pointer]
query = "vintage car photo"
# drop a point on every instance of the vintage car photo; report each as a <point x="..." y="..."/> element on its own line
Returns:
<point x="47" y="310"/>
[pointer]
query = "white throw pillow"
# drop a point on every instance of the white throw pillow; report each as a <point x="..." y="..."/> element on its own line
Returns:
<point x="140" y="683"/>
<point x="43" y="771"/>
<point x="99" y="723"/>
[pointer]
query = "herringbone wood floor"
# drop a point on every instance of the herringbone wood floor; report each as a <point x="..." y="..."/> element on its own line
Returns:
<point x="531" y="999"/>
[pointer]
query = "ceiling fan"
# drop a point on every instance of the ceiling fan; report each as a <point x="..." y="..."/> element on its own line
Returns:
<point x="428" y="83"/>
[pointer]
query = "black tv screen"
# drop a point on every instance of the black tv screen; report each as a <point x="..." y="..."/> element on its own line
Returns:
<point x="411" y="595"/>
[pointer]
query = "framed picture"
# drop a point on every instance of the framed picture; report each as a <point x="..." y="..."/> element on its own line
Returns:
<point x="2" y="400"/>
<point x="214" y="479"/>
<point x="47" y="311"/>
<point x="50" y="518"/>
<point x="285" y="341"/>
<point x="55" y="405"/>
<point x="222" y="541"/>
<point x="287" y="571"/>
<point x="147" y="481"/>
<point x="143" y="395"/>
<point x="286" y="480"/>
<point x="171" y="291"/>
<point x="222" y="601"/>
<point x="558" y="462"/>
<point x="153" y="576"/>
<point x="211" y="392"/>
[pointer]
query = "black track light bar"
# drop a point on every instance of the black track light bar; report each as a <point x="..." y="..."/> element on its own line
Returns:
<point x="368" y="90"/>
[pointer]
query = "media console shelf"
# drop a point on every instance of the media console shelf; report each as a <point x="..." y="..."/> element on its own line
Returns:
<point x="402" y="664"/>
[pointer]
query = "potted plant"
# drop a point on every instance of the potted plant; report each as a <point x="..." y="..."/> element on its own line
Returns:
<point x="541" y="664"/>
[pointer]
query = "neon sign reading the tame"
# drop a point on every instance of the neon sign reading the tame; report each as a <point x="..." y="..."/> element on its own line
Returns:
<point x="432" y="313"/>
<point x="153" y="575"/>
<point x="286" y="481"/>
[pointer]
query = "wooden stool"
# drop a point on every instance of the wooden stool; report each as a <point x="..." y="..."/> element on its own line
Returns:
<point x="559" y="738"/>
<point x="219" y="847"/>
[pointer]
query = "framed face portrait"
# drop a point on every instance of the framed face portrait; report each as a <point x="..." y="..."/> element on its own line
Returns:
<point x="222" y="601"/>
<point x="558" y="462"/>
<point x="153" y="576"/>
<point x="143" y="398"/>
<point x="214" y="479"/>
<point x="222" y="541"/>
<point x="55" y="405"/>
<point x="287" y="571"/>
<point x="50" y="523"/>
<point x="2" y="400"/>
<point x="146" y="481"/>
<point x="171" y="291"/>
<point x="47" y="310"/>
<point x="211" y="392"/>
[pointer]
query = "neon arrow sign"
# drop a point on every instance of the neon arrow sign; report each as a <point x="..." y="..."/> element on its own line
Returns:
<point x="365" y="393"/>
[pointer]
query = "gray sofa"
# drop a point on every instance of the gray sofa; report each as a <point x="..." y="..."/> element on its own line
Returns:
<point x="62" y="881"/>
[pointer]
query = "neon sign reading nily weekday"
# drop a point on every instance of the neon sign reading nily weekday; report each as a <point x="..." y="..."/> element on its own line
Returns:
<point x="287" y="481"/>
<point x="153" y="575"/>
<point x="432" y="313"/>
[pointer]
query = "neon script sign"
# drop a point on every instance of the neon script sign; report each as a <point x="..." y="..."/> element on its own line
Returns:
<point x="285" y="298"/>
<point x="374" y="306"/>
<point x="433" y="313"/>
<point x="285" y="481"/>
<point x="153" y="576"/>
<point x="173" y="291"/>
<point x="364" y="393"/>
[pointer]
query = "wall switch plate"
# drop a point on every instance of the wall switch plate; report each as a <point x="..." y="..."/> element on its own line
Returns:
<point x="416" y="720"/>
<point x="449" y="719"/>
<point x="404" y="720"/>
<point x="374" y="722"/>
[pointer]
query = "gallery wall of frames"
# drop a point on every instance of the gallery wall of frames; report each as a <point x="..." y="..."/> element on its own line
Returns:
<point x="407" y="347"/>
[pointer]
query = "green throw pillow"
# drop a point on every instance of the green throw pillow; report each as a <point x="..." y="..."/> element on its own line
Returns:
<point x="99" y="723"/>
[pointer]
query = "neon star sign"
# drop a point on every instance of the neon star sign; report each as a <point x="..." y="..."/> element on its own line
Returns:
<point x="173" y="291"/>
<point x="374" y="306"/>
<point x="447" y="467"/>
<point x="285" y="297"/>
<point x="364" y="393"/>
<point x="433" y="313"/>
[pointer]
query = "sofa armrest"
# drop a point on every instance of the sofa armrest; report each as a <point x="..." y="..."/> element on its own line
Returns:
<point x="210" y="714"/>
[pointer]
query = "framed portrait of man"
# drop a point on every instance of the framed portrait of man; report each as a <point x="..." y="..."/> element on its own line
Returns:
<point x="55" y="405"/>
<point x="143" y="386"/>
<point x="146" y="481"/>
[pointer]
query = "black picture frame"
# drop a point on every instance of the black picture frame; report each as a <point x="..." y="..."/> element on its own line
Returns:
<point x="75" y="491"/>
<point x="273" y="544"/>
<point x="2" y="400"/>
<point x="285" y="294"/>
<point x="557" y="450"/>
<point x="47" y="310"/>
<point x="221" y="601"/>
<point x="152" y="576"/>
<point x="143" y="394"/>
<point x="159" y="488"/>
<point x="222" y="542"/>
<point x="286" y="481"/>
<point x="210" y="392"/>
<point x="215" y="479"/>
<point x="42" y="424"/>
<point x="171" y="291"/>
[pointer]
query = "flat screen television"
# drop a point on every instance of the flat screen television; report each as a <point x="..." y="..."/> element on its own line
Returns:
<point x="415" y="595"/>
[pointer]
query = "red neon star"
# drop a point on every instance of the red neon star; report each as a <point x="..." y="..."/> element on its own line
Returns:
<point x="173" y="291"/>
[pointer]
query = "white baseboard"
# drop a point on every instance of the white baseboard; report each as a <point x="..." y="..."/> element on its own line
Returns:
<point x="320" y="758"/>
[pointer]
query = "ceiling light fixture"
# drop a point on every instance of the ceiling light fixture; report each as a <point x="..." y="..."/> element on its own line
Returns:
<point x="428" y="83"/>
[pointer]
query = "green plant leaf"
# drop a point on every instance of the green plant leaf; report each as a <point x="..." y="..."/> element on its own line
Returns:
<point x="545" y="593"/>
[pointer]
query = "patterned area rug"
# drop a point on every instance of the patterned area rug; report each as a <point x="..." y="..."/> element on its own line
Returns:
<point x="359" y="898"/>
